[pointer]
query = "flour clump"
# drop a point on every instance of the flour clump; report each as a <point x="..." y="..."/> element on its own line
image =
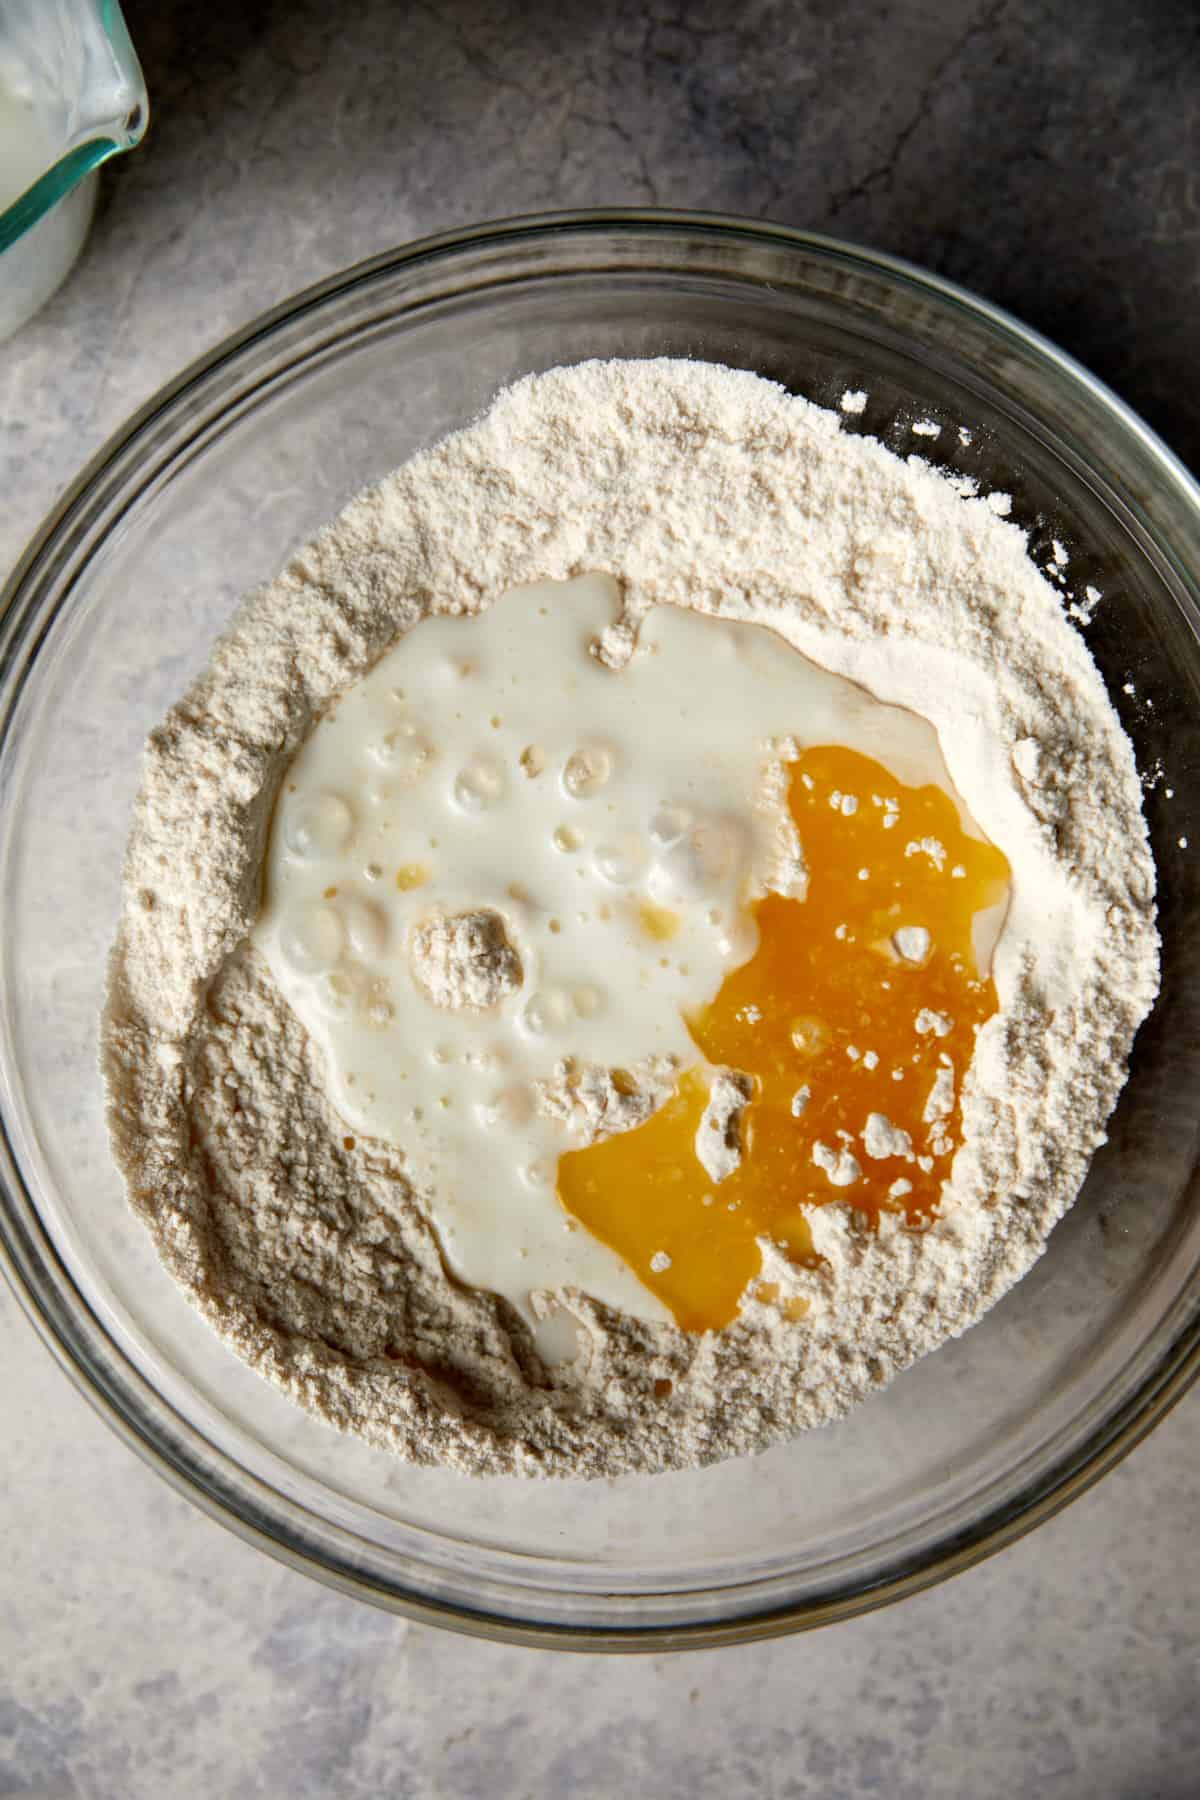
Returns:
<point x="465" y="960"/>
<point x="719" y="1139"/>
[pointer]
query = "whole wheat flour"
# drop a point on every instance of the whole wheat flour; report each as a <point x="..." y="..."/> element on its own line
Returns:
<point x="694" y="486"/>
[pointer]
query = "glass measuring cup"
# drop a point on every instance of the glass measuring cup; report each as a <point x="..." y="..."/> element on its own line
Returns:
<point x="71" y="95"/>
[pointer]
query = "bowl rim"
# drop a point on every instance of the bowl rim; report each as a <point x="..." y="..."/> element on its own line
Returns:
<point x="116" y="1389"/>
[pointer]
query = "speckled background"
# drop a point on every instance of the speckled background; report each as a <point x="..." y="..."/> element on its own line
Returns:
<point x="1042" y="154"/>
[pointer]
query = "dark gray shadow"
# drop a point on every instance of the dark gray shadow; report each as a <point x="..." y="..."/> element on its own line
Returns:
<point x="1040" y="154"/>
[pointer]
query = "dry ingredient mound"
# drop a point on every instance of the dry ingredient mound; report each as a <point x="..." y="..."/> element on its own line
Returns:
<point x="694" y="485"/>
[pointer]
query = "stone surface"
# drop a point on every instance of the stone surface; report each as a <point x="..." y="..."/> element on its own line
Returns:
<point x="1040" y="154"/>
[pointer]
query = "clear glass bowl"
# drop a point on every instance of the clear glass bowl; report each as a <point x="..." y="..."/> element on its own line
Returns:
<point x="114" y="609"/>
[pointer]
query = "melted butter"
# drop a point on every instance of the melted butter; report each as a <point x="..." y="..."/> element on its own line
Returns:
<point x="616" y="826"/>
<point x="659" y="921"/>
<point x="838" y="1027"/>
<point x="411" y="875"/>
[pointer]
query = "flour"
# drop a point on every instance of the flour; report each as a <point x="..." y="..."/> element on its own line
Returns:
<point x="912" y="943"/>
<point x="883" y="1139"/>
<point x="719" y="1135"/>
<point x="464" y="960"/>
<point x="597" y="1103"/>
<point x="841" y="1166"/>
<point x="308" y="1248"/>
<point x="941" y="1097"/>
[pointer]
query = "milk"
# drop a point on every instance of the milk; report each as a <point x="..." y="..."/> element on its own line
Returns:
<point x="26" y="148"/>
<point x="34" y="264"/>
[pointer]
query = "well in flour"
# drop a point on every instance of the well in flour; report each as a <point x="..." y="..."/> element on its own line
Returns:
<point x="319" y="1263"/>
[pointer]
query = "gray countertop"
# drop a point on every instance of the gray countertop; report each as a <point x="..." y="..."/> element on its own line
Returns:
<point x="1042" y="155"/>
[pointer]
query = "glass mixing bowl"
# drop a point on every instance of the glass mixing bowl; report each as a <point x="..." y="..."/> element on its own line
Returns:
<point x="112" y="612"/>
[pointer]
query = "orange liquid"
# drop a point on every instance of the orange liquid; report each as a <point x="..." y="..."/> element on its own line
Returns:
<point x="826" y="1003"/>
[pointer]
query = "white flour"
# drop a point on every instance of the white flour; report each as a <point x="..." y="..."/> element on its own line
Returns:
<point x="694" y="486"/>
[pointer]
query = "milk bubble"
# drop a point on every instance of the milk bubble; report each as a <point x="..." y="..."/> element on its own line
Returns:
<point x="586" y="771"/>
<point x="620" y="861"/>
<point x="366" y="926"/>
<point x="404" y="752"/>
<point x="312" y="939"/>
<point x="480" y="784"/>
<point x="318" y="826"/>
